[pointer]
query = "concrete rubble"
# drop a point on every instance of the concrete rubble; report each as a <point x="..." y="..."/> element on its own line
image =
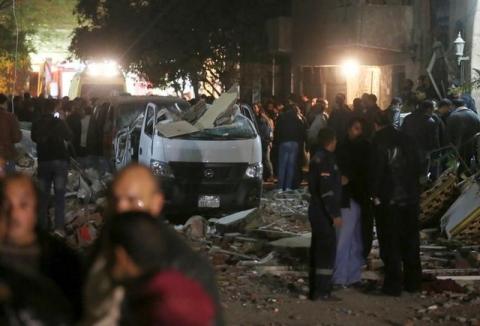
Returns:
<point x="270" y="246"/>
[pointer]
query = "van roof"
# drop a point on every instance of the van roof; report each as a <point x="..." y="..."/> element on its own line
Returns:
<point x="127" y="99"/>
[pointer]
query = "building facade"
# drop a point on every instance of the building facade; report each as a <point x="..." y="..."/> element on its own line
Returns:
<point x="372" y="46"/>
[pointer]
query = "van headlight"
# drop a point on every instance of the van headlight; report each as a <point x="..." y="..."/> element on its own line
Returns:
<point x="254" y="171"/>
<point x="161" y="169"/>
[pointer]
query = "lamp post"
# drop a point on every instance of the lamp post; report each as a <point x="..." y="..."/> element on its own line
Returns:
<point x="460" y="49"/>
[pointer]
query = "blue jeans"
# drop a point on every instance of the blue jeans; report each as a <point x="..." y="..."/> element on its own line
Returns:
<point x="52" y="172"/>
<point x="349" y="259"/>
<point x="287" y="164"/>
<point x="10" y="167"/>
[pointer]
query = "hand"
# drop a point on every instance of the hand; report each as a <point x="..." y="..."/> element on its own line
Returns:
<point x="376" y="201"/>
<point x="337" y="222"/>
<point x="345" y="180"/>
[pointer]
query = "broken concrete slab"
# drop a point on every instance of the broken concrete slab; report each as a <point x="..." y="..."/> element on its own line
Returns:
<point x="215" y="249"/>
<point x="273" y="234"/>
<point x="302" y="241"/>
<point x="195" y="112"/>
<point x="235" y="222"/>
<point x="222" y="104"/>
<point x="175" y="129"/>
<point x="461" y="279"/>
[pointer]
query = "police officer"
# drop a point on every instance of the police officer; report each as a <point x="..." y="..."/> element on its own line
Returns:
<point x="325" y="187"/>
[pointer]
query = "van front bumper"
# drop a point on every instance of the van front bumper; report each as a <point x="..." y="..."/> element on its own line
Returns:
<point x="183" y="195"/>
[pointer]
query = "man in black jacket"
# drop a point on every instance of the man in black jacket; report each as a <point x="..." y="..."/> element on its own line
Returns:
<point x="462" y="126"/>
<point x="394" y="112"/>
<point x="395" y="175"/>
<point x="340" y="117"/>
<point x="421" y="126"/>
<point x="290" y="134"/>
<point x="356" y="236"/>
<point x="324" y="183"/>
<point x="51" y="135"/>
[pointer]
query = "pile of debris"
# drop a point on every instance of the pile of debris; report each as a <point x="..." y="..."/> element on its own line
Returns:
<point x="271" y="244"/>
<point x="86" y="200"/>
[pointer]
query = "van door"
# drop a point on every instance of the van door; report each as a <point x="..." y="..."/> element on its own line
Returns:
<point x="122" y="148"/>
<point x="147" y="134"/>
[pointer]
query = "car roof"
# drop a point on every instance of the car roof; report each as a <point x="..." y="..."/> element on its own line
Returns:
<point x="127" y="99"/>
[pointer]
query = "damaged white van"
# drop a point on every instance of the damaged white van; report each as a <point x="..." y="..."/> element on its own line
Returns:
<point x="207" y="157"/>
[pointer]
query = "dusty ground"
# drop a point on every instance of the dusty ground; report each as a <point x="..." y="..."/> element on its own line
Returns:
<point x="250" y="299"/>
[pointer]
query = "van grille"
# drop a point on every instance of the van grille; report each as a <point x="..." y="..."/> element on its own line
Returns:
<point x="195" y="173"/>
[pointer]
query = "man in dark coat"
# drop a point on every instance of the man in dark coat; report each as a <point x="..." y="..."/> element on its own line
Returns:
<point x="51" y="135"/>
<point x="371" y="109"/>
<point x="395" y="187"/>
<point x="356" y="234"/>
<point x="394" y="111"/>
<point x="462" y="127"/>
<point x="158" y="272"/>
<point x="340" y="117"/>
<point x="422" y="127"/>
<point x="290" y="135"/>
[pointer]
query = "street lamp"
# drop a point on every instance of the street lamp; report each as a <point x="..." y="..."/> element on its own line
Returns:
<point x="460" y="48"/>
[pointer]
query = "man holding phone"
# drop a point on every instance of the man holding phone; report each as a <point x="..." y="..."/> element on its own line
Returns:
<point x="51" y="135"/>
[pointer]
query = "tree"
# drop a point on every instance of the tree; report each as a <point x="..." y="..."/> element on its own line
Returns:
<point x="39" y="18"/>
<point x="167" y="41"/>
<point x="14" y="48"/>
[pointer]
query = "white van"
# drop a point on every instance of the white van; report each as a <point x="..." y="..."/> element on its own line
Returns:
<point x="218" y="168"/>
<point x="89" y="86"/>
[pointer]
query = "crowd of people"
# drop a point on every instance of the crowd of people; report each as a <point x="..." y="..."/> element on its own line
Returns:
<point x="366" y="166"/>
<point x="139" y="271"/>
<point x="374" y="176"/>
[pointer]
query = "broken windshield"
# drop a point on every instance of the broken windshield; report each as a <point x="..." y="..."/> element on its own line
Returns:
<point x="241" y="128"/>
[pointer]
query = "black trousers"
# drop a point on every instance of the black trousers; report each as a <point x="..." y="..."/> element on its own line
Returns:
<point x="322" y="252"/>
<point x="398" y="236"/>
<point x="367" y="227"/>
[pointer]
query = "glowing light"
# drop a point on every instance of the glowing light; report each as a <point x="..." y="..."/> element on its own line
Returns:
<point x="103" y="69"/>
<point x="350" y="68"/>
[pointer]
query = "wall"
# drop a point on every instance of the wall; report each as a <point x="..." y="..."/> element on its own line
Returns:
<point x="475" y="44"/>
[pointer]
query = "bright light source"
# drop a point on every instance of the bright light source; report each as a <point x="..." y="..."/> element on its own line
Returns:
<point x="350" y="68"/>
<point x="104" y="69"/>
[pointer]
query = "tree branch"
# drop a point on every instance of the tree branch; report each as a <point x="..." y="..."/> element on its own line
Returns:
<point x="4" y="4"/>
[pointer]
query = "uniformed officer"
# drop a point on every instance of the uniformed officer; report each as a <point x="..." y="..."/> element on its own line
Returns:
<point x="325" y="187"/>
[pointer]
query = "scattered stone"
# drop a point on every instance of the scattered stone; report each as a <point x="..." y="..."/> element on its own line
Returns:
<point x="195" y="228"/>
<point x="235" y="222"/>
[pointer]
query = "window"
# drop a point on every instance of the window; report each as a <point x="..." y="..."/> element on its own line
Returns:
<point x="149" y="122"/>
